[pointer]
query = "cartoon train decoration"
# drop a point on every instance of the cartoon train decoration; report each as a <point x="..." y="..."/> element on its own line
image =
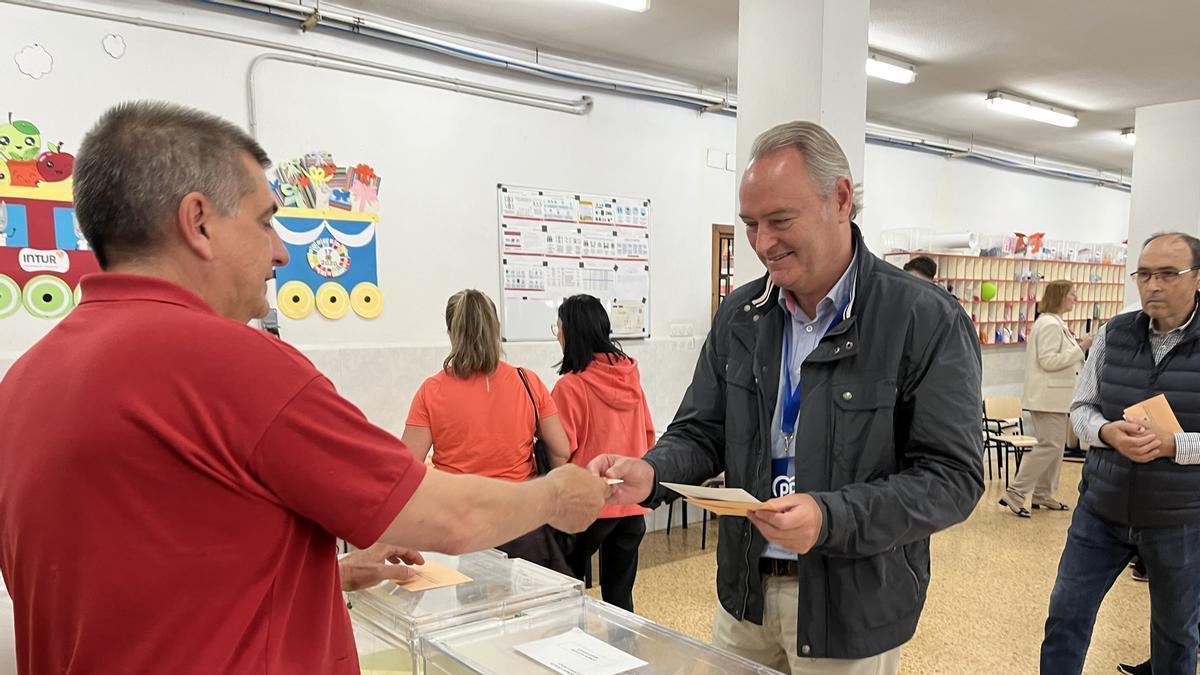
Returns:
<point x="43" y="255"/>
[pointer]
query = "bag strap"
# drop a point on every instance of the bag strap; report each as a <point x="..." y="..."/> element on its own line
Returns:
<point x="529" y="390"/>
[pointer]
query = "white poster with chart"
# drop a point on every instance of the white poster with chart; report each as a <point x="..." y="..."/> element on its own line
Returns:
<point x="556" y="244"/>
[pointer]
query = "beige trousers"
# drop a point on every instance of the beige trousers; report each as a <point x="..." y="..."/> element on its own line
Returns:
<point x="773" y="644"/>
<point x="1040" y="468"/>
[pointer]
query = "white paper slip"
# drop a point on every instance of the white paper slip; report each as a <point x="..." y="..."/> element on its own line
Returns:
<point x="577" y="653"/>
<point x="613" y="481"/>
<point x="723" y="494"/>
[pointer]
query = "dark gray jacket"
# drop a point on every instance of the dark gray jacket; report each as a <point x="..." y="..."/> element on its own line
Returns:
<point x="1160" y="493"/>
<point x="890" y="447"/>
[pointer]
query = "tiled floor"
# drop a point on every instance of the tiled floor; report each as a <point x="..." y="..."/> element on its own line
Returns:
<point x="992" y="577"/>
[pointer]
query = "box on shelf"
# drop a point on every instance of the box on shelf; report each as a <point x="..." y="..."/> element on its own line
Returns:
<point x="389" y="620"/>
<point x="490" y="646"/>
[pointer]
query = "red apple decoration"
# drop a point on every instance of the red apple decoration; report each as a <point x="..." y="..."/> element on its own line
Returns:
<point x="54" y="165"/>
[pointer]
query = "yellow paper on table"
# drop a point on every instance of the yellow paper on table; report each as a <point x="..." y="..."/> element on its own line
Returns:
<point x="433" y="575"/>
<point x="1158" y="411"/>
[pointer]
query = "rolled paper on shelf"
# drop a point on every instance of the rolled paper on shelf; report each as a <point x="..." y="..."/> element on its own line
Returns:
<point x="953" y="240"/>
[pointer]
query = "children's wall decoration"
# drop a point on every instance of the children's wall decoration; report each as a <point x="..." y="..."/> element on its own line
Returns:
<point x="33" y="60"/>
<point x="327" y="220"/>
<point x="42" y="252"/>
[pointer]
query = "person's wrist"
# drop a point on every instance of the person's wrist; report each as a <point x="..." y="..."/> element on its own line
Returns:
<point x="550" y="498"/>
<point x="1100" y="433"/>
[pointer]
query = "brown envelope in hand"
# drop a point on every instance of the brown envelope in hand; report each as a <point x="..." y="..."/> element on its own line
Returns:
<point x="1158" y="411"/>
<point x="726" y="508"/>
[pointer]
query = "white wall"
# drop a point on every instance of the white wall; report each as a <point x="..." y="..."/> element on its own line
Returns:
<point x="904" y="188"/>
<point x="441" y="154"/>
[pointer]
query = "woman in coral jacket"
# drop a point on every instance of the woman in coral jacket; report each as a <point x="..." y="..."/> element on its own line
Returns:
<point x="603" y="410"/>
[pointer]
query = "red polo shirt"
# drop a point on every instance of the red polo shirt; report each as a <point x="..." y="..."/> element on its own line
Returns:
<point x="171" y="484"/>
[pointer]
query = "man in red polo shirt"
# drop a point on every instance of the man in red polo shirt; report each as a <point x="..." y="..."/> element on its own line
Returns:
<point x="171" y="480"/>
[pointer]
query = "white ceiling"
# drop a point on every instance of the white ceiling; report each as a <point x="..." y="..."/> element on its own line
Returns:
<point x="1102" y="58"/>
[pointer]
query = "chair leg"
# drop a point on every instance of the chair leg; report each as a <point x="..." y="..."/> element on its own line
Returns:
<point x="703" y="529"/>
<point x="587" y="574"/>
<point x="683" y="515"/>
<point x="670" y="512"/>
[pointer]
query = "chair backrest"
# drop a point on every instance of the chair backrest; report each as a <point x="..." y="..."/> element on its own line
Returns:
<point x="1002" y="408"/>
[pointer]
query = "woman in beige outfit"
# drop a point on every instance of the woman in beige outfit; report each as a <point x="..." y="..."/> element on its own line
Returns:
<point x="1053" y="357"/>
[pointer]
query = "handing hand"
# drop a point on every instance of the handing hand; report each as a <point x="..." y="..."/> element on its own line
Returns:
<point x="365" y="568"/>
<point x="578" y="497"/>
<point x="637" y="474"/>
<point x="1085" y="342"/>
<point x="794" y="525"/>
<point x="1134" y="441"/>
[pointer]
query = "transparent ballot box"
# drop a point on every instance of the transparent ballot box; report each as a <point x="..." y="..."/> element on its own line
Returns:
<point x="388" y="619"/>
<point x="491" y="646"/>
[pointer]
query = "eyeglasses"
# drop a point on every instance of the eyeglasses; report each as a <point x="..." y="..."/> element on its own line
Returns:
<point x="1165" y="276"/>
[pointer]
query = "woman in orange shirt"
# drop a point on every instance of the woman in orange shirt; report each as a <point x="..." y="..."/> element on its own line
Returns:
<point x="477" y="415"/>
<point x="603" y="410"/>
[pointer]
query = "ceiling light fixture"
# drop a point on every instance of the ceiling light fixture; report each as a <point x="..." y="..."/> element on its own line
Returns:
<point x="1128" y="137"/>
<point x="631" y="5"/>
<point x="892" y="70"/>
<point x="1030" y="109"/>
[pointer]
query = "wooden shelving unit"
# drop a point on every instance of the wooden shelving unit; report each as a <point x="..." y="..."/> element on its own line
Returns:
<point x="1008" y="317"/>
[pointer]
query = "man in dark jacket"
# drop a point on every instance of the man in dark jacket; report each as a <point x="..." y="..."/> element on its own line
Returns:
<point x="1140" y="492"/>
<point x="847" y="393"/>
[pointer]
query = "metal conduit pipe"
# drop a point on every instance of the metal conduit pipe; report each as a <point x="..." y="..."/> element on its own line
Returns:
<point x="878" y="134"/>
<point x="361" y="25"/>
<point x="576" y="107"/>
<point x="579" y="106"/>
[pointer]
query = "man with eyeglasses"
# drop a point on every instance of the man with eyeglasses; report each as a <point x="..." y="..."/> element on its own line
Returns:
<point x="1140" y="492"/>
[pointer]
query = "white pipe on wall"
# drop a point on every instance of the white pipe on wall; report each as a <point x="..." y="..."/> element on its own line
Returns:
<point x="574" y="106"/>
<point x="578" y="106"/>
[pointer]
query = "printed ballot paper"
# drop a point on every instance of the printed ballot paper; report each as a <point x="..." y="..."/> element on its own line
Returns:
<point x="721" y="501"/>
<point x="1157" y="411"/>
<point x="577" y="653"/>
<point x="433" y="575"/>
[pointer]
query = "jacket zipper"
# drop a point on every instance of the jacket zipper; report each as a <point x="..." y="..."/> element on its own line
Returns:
<point x="749" y="532"/>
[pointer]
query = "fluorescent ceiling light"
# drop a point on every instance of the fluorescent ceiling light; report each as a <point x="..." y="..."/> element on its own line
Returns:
<point x="631" y="5"/>
<point x="892" y="70"/>
<point x="1030" y="109"/>
<point x="1128" y="137"/>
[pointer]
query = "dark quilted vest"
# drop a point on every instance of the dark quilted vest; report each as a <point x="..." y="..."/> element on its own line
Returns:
<point x="1160" y="493"/>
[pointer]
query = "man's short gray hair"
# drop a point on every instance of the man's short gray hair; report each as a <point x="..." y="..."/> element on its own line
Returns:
<point x="822" y="155"/>
<point x="1192" y="242"/>
<point x="138" y="162"/>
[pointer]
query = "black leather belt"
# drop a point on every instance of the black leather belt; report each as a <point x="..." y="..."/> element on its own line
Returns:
<point x="778" y="568"/>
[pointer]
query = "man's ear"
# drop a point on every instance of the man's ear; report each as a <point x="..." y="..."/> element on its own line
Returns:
<point x="194" y="222"/>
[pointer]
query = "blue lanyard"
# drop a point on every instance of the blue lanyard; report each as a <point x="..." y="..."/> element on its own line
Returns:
<point x="793" y="396"/>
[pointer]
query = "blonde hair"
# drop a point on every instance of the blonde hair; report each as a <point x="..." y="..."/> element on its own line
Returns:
<point x="474" y="331"/>
<point x="1055" y="296"/>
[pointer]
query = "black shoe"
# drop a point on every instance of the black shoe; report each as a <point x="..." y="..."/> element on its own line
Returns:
<point x="1140" y="669"/>
<point x="1019" y="511"/>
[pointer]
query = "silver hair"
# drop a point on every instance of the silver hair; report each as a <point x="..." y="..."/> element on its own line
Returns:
<point x="822" y="155"/>
<point x="139" y="161"/>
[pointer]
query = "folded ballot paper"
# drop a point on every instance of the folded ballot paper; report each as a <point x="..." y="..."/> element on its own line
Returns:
<point x="721" y="501"/>
<point x="1157" y="411"/>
